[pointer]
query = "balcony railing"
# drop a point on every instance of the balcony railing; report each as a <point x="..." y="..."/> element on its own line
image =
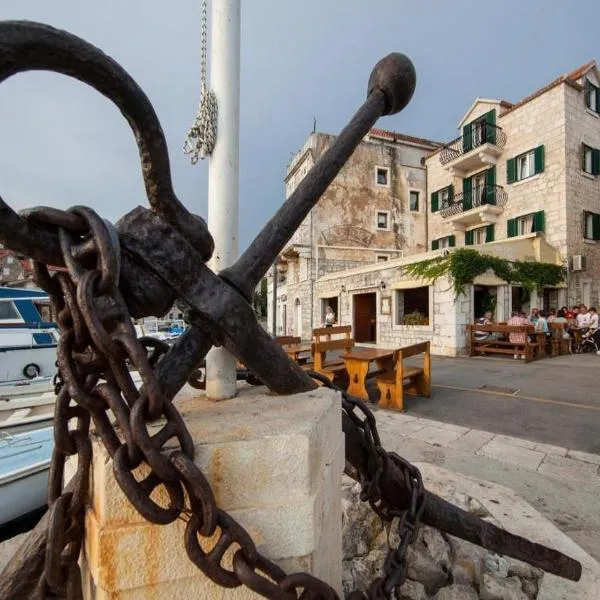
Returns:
<point x="485" y="133"/>
<point x="479" y="196"/>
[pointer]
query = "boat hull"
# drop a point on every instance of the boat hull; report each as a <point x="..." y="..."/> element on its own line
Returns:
<point x="24" y="466"/>
<point x="14" y="360"/>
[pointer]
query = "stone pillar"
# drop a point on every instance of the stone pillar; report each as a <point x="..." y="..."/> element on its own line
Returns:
<point x="274" y="464"/>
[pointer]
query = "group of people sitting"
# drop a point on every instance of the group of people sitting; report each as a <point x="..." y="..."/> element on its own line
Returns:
<point x="578" y="323"/>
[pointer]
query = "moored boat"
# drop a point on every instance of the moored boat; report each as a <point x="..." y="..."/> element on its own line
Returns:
<point x="28" y="338"/>
<point x="24" y="465"/>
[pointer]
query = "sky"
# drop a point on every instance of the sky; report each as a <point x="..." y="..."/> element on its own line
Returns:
<point x="62" y="143"/>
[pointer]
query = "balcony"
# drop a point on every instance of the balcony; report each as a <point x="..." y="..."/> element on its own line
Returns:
<point x="481" y="206"/>
<point x="478" y="147"/>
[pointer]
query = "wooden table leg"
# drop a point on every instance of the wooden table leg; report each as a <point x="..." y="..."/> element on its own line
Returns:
<point x="357" y="372"/>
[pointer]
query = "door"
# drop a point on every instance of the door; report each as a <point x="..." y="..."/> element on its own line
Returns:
<point x="365" y="318"/>
<point x="298" y="318"/>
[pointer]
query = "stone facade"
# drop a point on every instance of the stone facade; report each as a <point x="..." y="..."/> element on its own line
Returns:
<point x="556" y="118"/>
<point x="365" y="216"/>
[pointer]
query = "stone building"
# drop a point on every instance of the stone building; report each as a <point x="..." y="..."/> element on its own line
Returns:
<point x="15" y="271"/>
<point x="527" y="168"/>
<point x="374" y="211"/>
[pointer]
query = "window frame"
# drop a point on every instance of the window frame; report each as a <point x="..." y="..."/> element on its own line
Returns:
<point x="410" y="194"/>
<point x="381" y="258"/>
<point x="530" y="157"/>
<point x="387" y="220"/>
<point x="16" y="316"/>
<point x="592" y="234"/>
<point x="587" y="151"/>
<point x="396" y="321"/>
<point x="591" y="90"/>
<point x="387" y="176"/>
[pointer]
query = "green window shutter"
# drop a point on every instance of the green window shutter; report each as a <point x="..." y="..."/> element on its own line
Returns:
<point x="469" y="238"/>
<point x="511" y="170"/>
<point x="511" y="228"/>
<point x="435" y="203"/>
<point x="490" y="186"/>
<point x="538" y="156"/>
<point x="435" y="244"/>
<point x="451" y="192"/>
<point x="451" y="241"/>
<point x="490" y="126"/>
<point x="596" y="227"/>
<point x="595" y="162"/>
<point x="489" y="233"/>
<point x="597" y="107"/>
<point x="588" y="93"/>
<point x="583" y="147"/>
<point x="467" y="193"/>
<point x="467" y="137"/>
<point x="538" y="221"/>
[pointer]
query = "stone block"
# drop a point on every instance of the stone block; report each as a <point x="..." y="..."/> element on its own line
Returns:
<point x="563" y="467"/>
<point x="517" y="455"/>
<point x="274" y="464"/>
<point x="472" y="441"/>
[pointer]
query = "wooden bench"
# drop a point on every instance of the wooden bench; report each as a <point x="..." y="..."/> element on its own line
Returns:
<point x="559" y="344"/>
<point x="319" y="349"/>
<point x="412" y="380"/>
<point x="500" y="342"/>
<point x="287" y="340"/>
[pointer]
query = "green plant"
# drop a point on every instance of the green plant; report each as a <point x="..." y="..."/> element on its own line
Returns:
<point x="415" y="318"/>
<point x="465" y="264"/>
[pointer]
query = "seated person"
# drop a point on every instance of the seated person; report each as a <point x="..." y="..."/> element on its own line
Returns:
<point x="592" y="322"/>
<point x="517" y="319"/>
<point x="481" y="336"/>
<point x="541" y="325"/>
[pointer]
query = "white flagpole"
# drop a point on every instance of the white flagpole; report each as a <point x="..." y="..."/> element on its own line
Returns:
<point x="223" y="171"/>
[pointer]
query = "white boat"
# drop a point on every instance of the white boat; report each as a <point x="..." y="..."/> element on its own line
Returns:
<point x="26" y="403"/>
<point x="24" y="464"/>
<point x="28" y="338"/>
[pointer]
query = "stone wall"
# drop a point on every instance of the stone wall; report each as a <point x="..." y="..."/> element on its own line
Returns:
<point x="583" y="193"/>
<point x="538" y="122"/>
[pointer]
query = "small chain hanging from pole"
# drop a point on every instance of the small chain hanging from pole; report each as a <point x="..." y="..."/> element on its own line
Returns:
<point x="202" y="135"/>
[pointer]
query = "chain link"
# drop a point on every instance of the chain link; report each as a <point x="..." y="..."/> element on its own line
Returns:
<point x="202" y="135"/>
<point x="97" y="348"/>
<point x="394" y="568"/>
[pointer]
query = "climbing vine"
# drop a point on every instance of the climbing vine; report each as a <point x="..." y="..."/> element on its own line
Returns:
<point x="465" y="264"/>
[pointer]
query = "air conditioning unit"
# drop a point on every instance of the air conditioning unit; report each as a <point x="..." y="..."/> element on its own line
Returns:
<point x="578" y="263"/>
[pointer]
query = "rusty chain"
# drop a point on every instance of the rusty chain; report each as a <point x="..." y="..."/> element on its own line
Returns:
<point x="394" y="568"/>
<point x="98" y="346"/>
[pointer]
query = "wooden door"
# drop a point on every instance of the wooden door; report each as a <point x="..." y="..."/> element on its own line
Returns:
<point x="365" y="318"/>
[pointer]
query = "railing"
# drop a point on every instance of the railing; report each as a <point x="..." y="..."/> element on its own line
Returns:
<point x="485" y="133"/>
<point x="478" y="196"/>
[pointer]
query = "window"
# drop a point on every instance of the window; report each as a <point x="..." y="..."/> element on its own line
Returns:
<point x="413" y="201"/>
<point x="383" y="219"/>
<point x="10" y="260"/>
<point x="592" y="96"/>
<point x="382" y="258"/>
<point x="382" y="176"/>
<point x="525" y="224"/>
<point x="525" y="165"/>
<point x="479" y="236"/>
<point x="445" y="242"/>
<point x="8" y="311"/>
<point x="5" y="271"/>
<point x="442" y="198"/>
<point x="412" y="306"/>
<point x="591" y="225"/>
<point x="590" y="160"/>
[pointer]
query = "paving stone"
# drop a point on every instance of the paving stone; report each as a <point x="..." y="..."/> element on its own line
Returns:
<point x="472" y="441"/>
<point x="585" y="456"/>
<point x="514" y="441"/>
<point x="550" y="449"/>
<point x="563" y="467"/>
<point x="436" y="435"/>
<point x="509" y="453"/>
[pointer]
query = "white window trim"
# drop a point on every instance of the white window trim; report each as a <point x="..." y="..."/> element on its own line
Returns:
<point x="591" y="151"/>
<point x="530" y="154"/>
<point x="387" y="170"/>
<point x="526" y="180"/>
<point x="416" y="191"/>
<point x="407" y="328"/>
<point x="387" y="212"/>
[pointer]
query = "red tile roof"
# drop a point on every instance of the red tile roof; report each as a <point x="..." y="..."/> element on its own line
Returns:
<point x="568" y="78"/>
<point x="401" y="137"/>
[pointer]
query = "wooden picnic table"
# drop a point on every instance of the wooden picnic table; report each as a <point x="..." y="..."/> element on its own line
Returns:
<point x="294" y="350"/>
<point x="357" y="364"/>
